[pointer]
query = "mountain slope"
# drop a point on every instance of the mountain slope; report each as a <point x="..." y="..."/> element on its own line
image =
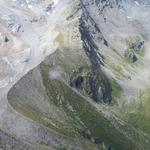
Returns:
<point x="92" y="89"/>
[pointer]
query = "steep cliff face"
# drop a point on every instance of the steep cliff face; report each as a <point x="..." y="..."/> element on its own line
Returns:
<point x="91" y="91"/>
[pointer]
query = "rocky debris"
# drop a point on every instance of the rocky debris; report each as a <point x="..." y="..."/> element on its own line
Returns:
<point x="110" y="147"/>
<point x="89" y="45"/>
<point x="8" y="142"/>
<point x="34" y="20"/>
<point x="50" y="7"/>
<point x="100" y="87"/>
<point x="97" y="140"/>
<point x="94" y="84"/>
<point x="13" y="26"/>
<point x="131" y="56"/>
<point x="4" y="38"/>
<point x="87" y="134"/>
<point x="135" y="46"/>
<point x="87" y="24"/>
<point x="91" y="36"/>
<point x="77" y="82"/>
<point x="103" y="5"/>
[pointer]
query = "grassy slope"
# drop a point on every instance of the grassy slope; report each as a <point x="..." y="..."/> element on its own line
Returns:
<point x="138" y="114"/>
<point x="94" y="120"/>
<point x="83" y="111"/>
<point x="84" y="115"/>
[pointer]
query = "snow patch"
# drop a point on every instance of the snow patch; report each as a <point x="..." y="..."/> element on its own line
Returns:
<point x="137" y="3"/>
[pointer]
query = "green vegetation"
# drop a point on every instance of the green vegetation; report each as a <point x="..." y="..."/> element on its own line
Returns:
<point x="141" y="52"/>
<point x="81" y="114"/>
<point x="79" y="111"/>
<point x="135" y="49"/>
<point x="138" y="114"/>
<point x="116" y="91"/>
<point x="88" y="114"/>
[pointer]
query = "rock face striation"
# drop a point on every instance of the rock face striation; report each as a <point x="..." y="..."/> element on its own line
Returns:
<point x="74" y="75"/>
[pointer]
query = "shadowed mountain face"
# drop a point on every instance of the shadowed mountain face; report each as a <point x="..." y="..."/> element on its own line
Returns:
<point x="74" y="75"/>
